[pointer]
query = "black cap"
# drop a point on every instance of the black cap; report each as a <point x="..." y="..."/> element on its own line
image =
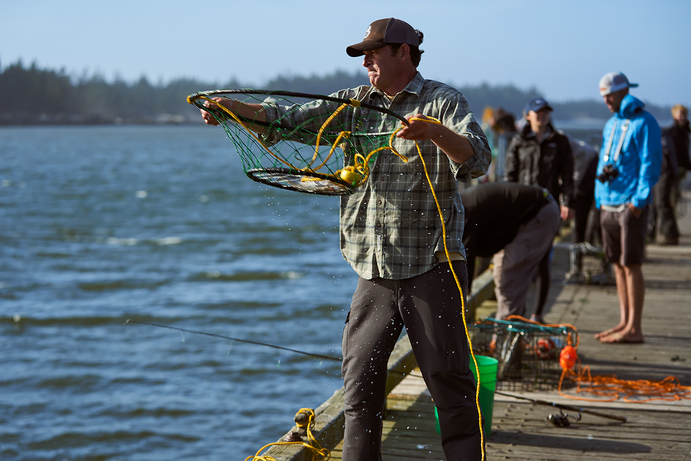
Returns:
<point x="537" y="104"/>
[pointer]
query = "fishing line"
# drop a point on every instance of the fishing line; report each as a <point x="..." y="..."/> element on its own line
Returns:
<point x="230" y="338"/>
<point x="256" y="343"/>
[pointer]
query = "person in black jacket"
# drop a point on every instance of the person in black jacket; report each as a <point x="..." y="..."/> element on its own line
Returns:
<point x="680" y="131"/>
<point x="584" y="175"/>
<point x="539" y="155"/>
<point x="514" y="223"/>
<point x="662" y="209"/>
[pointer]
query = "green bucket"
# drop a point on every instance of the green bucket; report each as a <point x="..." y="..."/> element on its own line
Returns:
<point x="488" y="384"/>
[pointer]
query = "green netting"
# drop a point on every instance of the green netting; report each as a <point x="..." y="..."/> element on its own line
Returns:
<point x="308" y="143"/>
<point x="527" y="353"/>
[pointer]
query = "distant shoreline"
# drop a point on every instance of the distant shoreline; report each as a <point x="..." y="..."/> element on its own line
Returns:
<point x="179" y="120"/>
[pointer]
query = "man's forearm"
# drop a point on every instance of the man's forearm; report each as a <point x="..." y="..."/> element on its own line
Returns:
<point x="455" y="146"/>
<point x="244" y="110"/>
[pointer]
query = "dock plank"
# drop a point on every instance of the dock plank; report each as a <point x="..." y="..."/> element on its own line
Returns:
<point x="654" y="430"/>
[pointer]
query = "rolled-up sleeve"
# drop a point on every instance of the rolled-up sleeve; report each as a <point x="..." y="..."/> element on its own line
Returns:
<point x="461" y="120"/>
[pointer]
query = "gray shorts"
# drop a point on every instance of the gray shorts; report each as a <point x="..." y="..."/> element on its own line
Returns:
<point x="623" y="236"/>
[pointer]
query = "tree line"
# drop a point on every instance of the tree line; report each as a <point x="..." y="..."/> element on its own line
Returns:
<point x="32" y="95"/>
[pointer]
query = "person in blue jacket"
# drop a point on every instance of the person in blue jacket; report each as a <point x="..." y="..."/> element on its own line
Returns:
<point x="628" y="168"/>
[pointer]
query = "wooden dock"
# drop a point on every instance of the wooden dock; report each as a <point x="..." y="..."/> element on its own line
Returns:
<point x="654" y="430"/>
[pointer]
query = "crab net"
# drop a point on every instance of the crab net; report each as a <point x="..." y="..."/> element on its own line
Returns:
<point x="303" y="142"/>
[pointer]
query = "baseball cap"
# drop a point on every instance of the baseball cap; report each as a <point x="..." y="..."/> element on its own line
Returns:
<point x="536" y="104"/>
<point x="613" y="82"/>
<point x="384" y="32"/>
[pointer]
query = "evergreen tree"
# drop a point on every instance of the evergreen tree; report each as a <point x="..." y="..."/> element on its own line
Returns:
<point x="33" y="95"/>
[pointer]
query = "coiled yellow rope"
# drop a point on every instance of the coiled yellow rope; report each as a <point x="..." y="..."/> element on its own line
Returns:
<point x="318" y="453"/>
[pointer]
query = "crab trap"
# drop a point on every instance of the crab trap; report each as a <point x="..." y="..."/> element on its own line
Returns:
<point x="308" y="143"/>
<point x="528" y="353"/>
<point x="588" y="265"/>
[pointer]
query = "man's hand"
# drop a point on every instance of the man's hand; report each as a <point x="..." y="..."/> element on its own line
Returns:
<point x="210" y="119"/>
<point x="419" y="130"/>
<point x="423" y="128"/>
<point x="636" y="211"/>
<point x="567" y="213"/>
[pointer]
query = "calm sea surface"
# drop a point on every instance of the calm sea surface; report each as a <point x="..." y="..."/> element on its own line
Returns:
<point x="157" y="224"/>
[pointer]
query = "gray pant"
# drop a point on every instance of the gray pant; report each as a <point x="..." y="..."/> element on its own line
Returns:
<point x="515" y="265"/>
<point x="429" y="306"/>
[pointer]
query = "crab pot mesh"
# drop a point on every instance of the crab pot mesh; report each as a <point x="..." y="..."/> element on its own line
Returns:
<point x="528" y="354"/>
<point x="588" y="265"/>
<point x="307" y="143"/>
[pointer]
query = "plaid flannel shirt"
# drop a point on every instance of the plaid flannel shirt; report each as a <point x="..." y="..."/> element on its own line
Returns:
<point x="390" y="226"/>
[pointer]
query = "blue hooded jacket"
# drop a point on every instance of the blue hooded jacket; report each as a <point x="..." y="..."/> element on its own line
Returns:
<point x="639" y="162"/>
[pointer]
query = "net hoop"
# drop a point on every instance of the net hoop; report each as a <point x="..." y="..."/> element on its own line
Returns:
<point x="308" y="182"/>
<point x="198" y="100"/>
<point x="324" y="171"/>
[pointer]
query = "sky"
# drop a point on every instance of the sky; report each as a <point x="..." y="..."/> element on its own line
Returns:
<point x="561" y="48"/>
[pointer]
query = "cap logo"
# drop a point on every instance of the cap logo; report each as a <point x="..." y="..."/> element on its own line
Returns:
<point x="369" y="31"/>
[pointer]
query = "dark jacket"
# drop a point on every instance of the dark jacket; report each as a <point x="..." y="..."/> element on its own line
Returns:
<point x="548" y="164"/>
<point x="493" y="214"/>
<point x="680" y="135"/>
<point x="670" y="165"/>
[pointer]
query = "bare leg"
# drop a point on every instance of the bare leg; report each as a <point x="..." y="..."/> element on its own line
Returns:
<point x="623" y="293"/>
<point x="633" y="330"/>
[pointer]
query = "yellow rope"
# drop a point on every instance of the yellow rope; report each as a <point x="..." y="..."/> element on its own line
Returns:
<point x="321" y="131"/>
<point x="318" y="453"/>
<point x="458" y="284"/>
<point x="251" y="133"/>
<point x="355" y="174"/>
<point x="361" y="167"/>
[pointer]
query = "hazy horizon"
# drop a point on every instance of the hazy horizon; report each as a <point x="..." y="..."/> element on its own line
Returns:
<point x="559" y="49"/>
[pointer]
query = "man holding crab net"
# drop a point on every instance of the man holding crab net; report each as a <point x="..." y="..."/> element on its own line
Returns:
<point x="392" y="235"/>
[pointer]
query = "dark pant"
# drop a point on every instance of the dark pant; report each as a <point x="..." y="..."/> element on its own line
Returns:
<point x="663" y="210"/>
<point x="582" y="206"/>
<point x="543" y="281"/>
<point x="429" y="306"/>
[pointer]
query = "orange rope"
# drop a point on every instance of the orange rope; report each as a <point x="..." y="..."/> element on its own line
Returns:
<point x="610" y="388"/>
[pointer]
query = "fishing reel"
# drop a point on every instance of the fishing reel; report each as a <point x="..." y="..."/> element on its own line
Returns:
<point x="562" y="419"/>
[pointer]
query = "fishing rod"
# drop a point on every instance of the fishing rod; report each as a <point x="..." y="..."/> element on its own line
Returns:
<point x="565" y="407"/>
<point x="186" y="330"/>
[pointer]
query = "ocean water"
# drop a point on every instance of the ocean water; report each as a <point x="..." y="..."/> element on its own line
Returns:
<point x="157" y="224"/>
